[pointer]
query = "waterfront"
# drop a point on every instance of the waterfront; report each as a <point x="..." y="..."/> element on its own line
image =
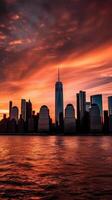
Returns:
<point x="53" y="167"/>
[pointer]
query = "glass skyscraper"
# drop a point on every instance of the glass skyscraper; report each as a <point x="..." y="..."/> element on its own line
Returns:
<point x="23" y="109"/>
<point x="110" y="105"/>
<point x="81" y="105"/>
<point x="110" y="112"/>
<point x="95" y="118"/>
<point x="97" y="99"/>
<point x="58" y="101"/>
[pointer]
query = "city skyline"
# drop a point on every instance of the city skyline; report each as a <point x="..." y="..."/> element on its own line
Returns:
<point x="55" y="99"/>
<point x="82" y="104"/>
<point x="53" y="112"/>
<point x="91" y="118"/>
<point x="36" y="38"/>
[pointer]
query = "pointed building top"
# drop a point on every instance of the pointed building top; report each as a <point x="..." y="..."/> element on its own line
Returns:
<point x="58" y="75"/>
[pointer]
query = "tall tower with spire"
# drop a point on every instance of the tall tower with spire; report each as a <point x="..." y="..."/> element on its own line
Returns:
<point x="58" y="101"/>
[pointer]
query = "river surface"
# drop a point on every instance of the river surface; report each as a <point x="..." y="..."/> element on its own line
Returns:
<point x="52" y="168"/>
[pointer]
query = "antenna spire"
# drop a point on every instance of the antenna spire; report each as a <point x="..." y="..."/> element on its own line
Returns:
<point x="58" y="75"/>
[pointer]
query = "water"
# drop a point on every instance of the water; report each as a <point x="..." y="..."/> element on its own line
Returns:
<point x="33" y="168"/>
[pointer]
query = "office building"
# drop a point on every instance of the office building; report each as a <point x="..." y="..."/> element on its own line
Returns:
<point x="21" y="125"/>
<point x="95" y="119"/>
<point x="81" y="105"/>
<point x="97" y="99"/>
<point x="31" y="125"/>
<point x="69" y="120"/>
<point x="88" y="105"/>
<point x="28" y="110"/>
<point x="14" y="113"/>
<point x="106" y="122"/>
<point x="44" y="120"/>
<point x="23" y="109"/>
<point x="10" y="108"/>
<point x="110" y="112"/>
<point x="110" y="105"/>
<point x="58" y="102"/>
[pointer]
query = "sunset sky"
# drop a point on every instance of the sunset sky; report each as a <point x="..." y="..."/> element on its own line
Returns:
<point x="38" y="36"/>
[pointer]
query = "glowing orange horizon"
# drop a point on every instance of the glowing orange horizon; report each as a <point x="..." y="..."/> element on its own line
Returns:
<point x="40" y="37"/>
<point x="39" y="86"/>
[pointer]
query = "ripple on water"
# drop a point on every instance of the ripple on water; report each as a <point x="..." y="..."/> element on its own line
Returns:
<point x="52" y="168"/>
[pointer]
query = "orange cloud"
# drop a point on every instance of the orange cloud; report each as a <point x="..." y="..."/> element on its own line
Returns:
<point x="15" y="42"/>
<point x="41" y="37"/>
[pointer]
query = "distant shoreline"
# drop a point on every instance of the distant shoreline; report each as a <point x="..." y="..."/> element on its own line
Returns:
<point x="58" y="134"/>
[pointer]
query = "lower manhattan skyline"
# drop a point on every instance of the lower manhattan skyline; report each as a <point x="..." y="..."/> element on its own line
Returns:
<point x="77" y="37"/>
<point x="86" y="118"/>
<point x="55" y="99"/>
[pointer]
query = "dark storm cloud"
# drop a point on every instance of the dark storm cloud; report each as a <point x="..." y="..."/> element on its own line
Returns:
<point x="47" y="31"/>
<point x="3" y="8"/>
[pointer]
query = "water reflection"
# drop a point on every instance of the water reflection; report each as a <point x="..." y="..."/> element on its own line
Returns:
<point x="55" y="167"/>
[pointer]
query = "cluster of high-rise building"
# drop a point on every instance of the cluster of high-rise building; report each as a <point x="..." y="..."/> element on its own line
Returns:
<point x="90" y="117"/>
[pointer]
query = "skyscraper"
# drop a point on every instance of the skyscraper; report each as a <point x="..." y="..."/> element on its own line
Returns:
<point x="95" y="118"/>
<point x="28" y="110"/>
<point x="110" y="112"/>
<point x="97" y="99"/>
<point x="58" y="101"/>
<point x="69" y="120"/>
<point x="44" y="119"/>
<point x="81" y="105"/>
<point x="106" y="122"/>
<point x="88" y="105"/>
<point x="110" y="105"/>
<point x="14" y="113"/>
<point x="77" y="102"/>
<point x="21" y="125"/>
<point x="23" y="109"/>
<point x="10" y="108"/>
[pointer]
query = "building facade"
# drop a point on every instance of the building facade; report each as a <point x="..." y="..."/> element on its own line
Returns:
<point x="58" y="102"/>
<point x="110" y="112"/>
<point x="95" y="119"/>
<point x="81" y="105"/>
<point x="44" y="120"/>
<point x="23" y="109"/>
<point x="97" y="99"/>
<point x="14" y="113"/>
<point x="69" y="120"/>
<point x="10" y="108"/>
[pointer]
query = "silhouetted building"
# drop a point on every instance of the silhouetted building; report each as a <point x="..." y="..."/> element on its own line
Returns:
<point x="81" y="109"/>
<point x="78" y="110"/>
<point x="10" y="108"/>
<point x="95" y="119"/>
<point x="21" y="125"/>
<point x="110" y="123"/>
<point x="110" y="112"/>
<point x="23" y="109"/>
<point x="44" y="120"/>
<point x="28" y="110"/>
<point x="58" y="102"/>
<point x="97" y="99"/>
<point x="31" y="128"/>
<point x="106" y="122"/>
<point x="82" y="104"/>
<point x="110" y="105"/>
<point x="88" y="105"/>
<point x="12" y="126"/>
<point x="14" y="113"/>
<point x="69" y="121"/>
<point x="86" y="123"/>
<point x="36" y="118"/>
<point x="4" y="124"/>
